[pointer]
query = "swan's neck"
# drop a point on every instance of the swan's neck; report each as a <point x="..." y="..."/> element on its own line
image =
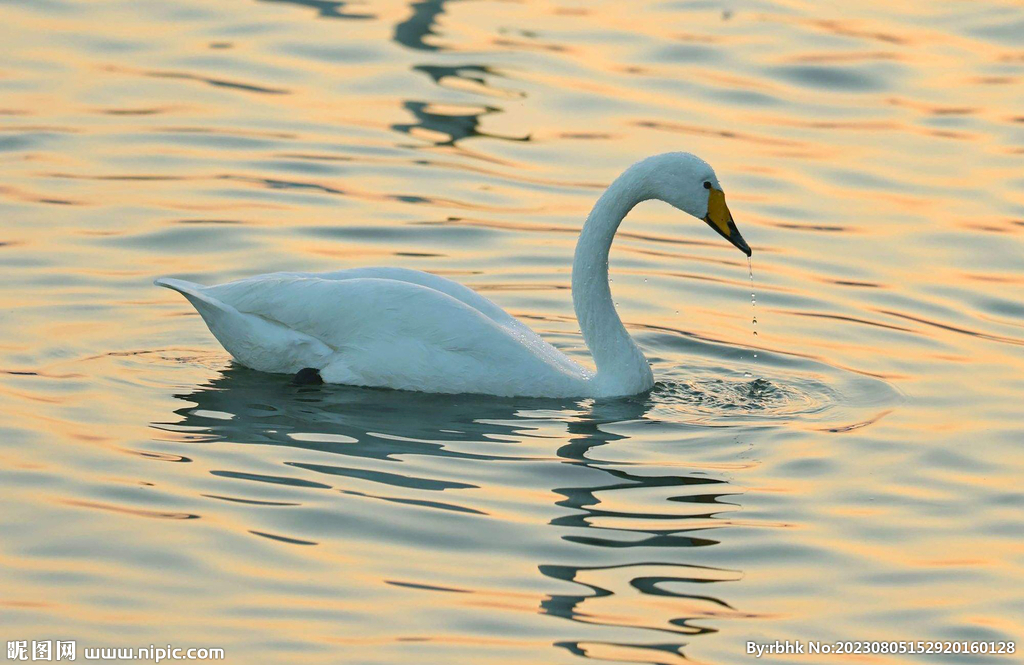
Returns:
<point x="622" y="368"/>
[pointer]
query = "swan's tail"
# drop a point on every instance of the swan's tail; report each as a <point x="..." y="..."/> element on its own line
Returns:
<point x="176" y="284"/>
<point x="209" y="308"/>
<point x="188" y="289"/>
<point x="223" y="320"/>
<point x="253" y="340"/>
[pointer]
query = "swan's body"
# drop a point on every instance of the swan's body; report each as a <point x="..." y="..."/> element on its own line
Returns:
<point x="384" y="327"/>
<point x="411" y="330"/>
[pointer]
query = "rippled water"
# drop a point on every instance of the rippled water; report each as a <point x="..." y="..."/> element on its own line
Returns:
<point x="863" y="482"/>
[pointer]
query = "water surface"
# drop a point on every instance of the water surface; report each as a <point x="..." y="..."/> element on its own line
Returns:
<point x="859" y="479"/>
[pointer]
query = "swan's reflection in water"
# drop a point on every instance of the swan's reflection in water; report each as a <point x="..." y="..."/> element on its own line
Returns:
<point x="658" y="537"/>
<point x="625" y="530"/>
<point x="241" y="405"/>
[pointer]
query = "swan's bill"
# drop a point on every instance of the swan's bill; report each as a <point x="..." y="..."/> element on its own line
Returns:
<point x="720" y="219"/>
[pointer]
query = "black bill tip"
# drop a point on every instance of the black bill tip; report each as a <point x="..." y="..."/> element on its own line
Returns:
<point x="732" y="236"/>
<point x="740" y="243"/>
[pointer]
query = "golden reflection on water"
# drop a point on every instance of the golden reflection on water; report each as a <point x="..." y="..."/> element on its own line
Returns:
<point x="865" y="484"/>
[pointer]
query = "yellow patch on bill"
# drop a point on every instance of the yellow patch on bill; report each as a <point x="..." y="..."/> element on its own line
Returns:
<point x="718" y="212"/>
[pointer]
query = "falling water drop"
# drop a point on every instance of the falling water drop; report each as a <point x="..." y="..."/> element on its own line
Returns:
<point x="753" y="305"/>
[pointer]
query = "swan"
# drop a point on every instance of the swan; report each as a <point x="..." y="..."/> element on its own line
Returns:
<point x="411" y="330"/>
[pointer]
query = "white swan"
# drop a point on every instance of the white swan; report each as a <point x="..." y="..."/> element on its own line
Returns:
<point x="410" y="330"/>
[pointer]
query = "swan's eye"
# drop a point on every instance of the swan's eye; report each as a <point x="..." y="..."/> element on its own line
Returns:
<point x="707" y="185"/>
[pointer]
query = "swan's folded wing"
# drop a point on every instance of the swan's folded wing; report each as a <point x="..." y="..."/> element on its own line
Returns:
<point x="463" y="294"/>
<point x="449" y="287"/>
<point x="344" y="313"/>
<point x="399" y="334"/>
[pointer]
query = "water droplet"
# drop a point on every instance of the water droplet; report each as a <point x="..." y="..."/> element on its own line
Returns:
<point x="753" y="300"/>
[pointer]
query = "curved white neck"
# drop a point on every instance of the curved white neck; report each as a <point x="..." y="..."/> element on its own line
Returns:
<point x="622" y="368"/>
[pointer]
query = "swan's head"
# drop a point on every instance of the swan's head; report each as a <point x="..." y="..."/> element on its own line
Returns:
<point x="689" y="183"/>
